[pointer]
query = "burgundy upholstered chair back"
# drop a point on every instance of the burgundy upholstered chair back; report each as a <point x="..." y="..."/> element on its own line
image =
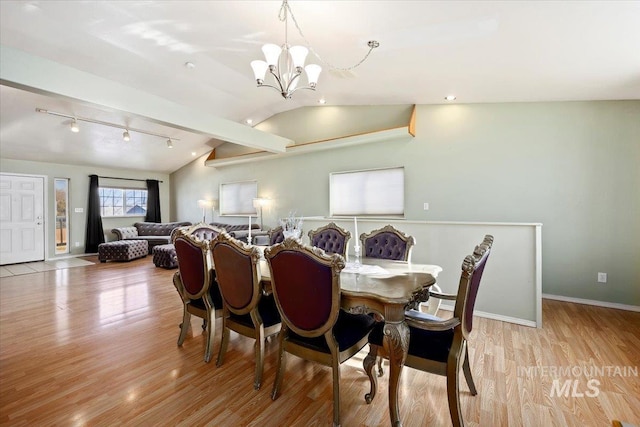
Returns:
<point x="236" y="273"/>
<point x="306" y="286"/>
<point x="388" y="243"/>
<point x="330" y="238"/>
<point x="192" y="265"/>
<point x="472" y="270"/>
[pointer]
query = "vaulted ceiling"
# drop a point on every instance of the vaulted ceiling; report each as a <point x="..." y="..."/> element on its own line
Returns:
<point x="482" y="51"/>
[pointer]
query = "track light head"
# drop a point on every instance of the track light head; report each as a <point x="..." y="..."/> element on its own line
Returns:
<point x="169" y="143"/>
<point x="74" y="126"/>
<point x="126" y="136"/>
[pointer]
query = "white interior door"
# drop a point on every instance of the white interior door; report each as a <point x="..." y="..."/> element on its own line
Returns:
<point x="21" y="219"/>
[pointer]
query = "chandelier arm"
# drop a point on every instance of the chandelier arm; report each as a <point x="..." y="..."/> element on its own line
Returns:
<point x="372" y="44"/>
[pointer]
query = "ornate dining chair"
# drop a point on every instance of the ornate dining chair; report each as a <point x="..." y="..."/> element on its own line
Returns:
<point x="276" y="235"/>
<point x="306" y="286"/>
<point x="387" y="243"/>
<point x="331" y="238"/>
<point x="245" y="309"/>
<point x="437" y="345"/>
<point x="195" y="282"/>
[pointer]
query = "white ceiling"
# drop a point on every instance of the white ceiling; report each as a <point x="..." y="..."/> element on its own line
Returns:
<point x="481" y="51"/>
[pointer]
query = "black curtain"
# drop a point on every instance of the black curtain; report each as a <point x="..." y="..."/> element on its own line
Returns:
<point x="95" y="234"/>
<point x="153" y="201"/>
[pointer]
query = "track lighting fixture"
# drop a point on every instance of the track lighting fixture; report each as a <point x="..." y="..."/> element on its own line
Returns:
<point x="125" y="135"/>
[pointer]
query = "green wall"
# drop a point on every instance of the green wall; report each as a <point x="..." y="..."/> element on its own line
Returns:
<point x="78" y="195"/>
<point x="573" y="166"/>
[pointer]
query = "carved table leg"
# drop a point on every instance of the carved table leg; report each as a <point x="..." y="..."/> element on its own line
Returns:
<point x="396" y="343"/>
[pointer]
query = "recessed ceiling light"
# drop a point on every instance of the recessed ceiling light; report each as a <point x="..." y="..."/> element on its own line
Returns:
<point x="190" y="65"/>
<point x="322" y="101"/>
<point x="450" y="97"/>
<point x="249" y="122"/>
<point x="193" y="153"/>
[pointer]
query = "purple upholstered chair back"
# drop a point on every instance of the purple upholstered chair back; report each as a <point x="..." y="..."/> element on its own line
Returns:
<point x="472" y="270"/>
<point x="306" y="286"/>
<point x="205" y="232"/>
<point x="192" y="265"/>
<point x="330" y="238"/>
<point x="387" y="243"/>
<point x="236" y="273"/>
<point x="276" y="236"/>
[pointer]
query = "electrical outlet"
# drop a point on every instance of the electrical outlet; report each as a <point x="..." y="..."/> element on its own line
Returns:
<point x="426" y="206"/>
<point x="602" y="277"/>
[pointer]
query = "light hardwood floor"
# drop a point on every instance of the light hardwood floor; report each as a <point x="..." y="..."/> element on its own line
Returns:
<point x="96" y="346"/>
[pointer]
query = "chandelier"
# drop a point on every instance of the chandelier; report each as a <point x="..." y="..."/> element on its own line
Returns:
<point x="286" y="63"/>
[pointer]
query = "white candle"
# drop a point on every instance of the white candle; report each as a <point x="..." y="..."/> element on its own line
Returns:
<point x="249" y="237"/>
<point x="355" y="225"/>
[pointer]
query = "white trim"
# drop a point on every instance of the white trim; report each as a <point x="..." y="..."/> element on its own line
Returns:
<point x="596" y="303"/>
<point x="538" y="275"/>
<point x="406" y="221"/>
<point x="291" y="150"/>
<point x="493" y="316"/>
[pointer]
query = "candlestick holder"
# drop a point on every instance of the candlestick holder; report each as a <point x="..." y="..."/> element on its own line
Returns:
<point x="356" y="256"/>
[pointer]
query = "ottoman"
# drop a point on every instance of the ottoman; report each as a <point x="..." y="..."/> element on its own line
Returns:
<point x="122" y="250"/>
<point x="165" y="256"/>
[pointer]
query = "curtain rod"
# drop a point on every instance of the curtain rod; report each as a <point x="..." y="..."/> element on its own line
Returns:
<point x="124" y="179"/>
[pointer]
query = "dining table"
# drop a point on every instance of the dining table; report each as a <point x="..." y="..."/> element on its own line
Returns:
<point x="388" y="288"/>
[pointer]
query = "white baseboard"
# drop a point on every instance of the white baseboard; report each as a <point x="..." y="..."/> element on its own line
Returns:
<point x="605" y="304"/>
<point x="492" y="316"/>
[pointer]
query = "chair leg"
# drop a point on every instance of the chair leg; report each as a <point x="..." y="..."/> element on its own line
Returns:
<point x="212" y="331"/>
<point x="368" y="363"/>
<point x="336" y="391"/>
<point x="259" y="349"/>
<point x="184" y="327"/>
<point x="453" y="393"/>
<point x="224" y="343"/>
<point x="466" y="368"/>
<point x="281" y="363"/>
<point x="380" y="370"/>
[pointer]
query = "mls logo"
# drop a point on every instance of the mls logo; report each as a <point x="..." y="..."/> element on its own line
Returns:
<point x="570" y="388"/>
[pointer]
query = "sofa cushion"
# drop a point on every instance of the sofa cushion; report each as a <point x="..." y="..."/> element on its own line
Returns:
<point x="157" y="228"/>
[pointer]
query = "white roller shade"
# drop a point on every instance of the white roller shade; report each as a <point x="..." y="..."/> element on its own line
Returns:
<point x="236" y="198"/>
<point x="371" y="192"/>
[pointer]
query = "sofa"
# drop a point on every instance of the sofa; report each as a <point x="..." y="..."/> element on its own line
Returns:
<point x="164" y="256"/>
<point x="240" y="232"/>
<point x="155" y="233"/>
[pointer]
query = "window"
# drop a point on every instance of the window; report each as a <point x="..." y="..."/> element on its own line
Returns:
<point x="62" y="215"/>
<point x="123" y="201"/>
<point x="376" y="192"/>
<point x="236" y="198"/>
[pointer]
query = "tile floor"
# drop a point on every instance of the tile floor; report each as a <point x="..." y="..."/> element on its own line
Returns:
<point x="34" y="267"/>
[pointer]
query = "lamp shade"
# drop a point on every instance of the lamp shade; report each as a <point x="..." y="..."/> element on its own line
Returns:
<point x="203" y="204"/>
<point x="271" y="53"/>
<point x="259" y="202"/>
<point x="313" y="72"/>
<point x="259" y="69"/>
<point x="298" y="55"/>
